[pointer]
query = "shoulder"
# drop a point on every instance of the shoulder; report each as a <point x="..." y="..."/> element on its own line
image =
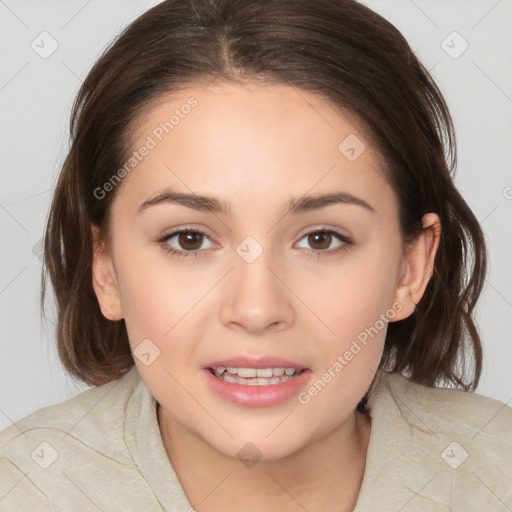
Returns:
<point x="440" y="447"/>
<point x="83" y="415"/>
<point x="453" y="411"/>
<point x="85" y="430"/>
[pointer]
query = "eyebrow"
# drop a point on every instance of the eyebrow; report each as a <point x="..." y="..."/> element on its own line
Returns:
<point x="211" y="204"/>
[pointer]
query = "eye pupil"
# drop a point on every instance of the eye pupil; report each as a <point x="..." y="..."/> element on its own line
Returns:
<point x="189" y="240"/>
<point x="314" y="238"/>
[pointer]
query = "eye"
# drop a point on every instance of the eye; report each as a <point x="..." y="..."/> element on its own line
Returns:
<point x="187" y="243"/>
<point x="320" y="240"/>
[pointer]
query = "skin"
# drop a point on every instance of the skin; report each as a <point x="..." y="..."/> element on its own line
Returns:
<point x="257" y="147"/>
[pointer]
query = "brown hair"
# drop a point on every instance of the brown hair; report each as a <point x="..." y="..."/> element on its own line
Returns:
<point x="341" y="51"/>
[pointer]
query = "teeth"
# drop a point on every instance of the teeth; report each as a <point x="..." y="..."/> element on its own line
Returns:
<point x="263" y="372"/>
<point x="256" y="372"/>
<point x="229" y="378"/>
<point x="247" y="372"/>
<point x="256" y="376"/>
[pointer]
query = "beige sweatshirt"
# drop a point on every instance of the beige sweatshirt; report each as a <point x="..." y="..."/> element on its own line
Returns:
<point x="430" y="449"/>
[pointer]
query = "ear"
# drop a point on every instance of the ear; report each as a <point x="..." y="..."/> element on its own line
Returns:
<point x="417" y="267"/>
<point x="104" y="280"/>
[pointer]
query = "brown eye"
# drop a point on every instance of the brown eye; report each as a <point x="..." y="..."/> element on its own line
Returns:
<point x="324" y="241"/>
<point x="319" y="240"/>
<point x="190" y="241"/>
<point x="186" y="242"/>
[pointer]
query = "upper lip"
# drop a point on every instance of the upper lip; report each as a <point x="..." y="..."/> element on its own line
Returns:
<point x="260" y="362"/>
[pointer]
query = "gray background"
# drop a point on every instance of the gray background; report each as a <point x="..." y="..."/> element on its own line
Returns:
<point x="36" y="95"/>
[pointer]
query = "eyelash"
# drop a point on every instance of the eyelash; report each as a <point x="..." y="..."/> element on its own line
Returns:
<point x="347" y="242"/>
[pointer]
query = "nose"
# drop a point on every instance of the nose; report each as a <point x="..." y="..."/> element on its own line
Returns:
<point x="256" y="298"/>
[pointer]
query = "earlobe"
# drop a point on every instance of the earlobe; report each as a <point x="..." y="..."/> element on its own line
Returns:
<point x="104" y="280"/>
<point x="418" y="266"/>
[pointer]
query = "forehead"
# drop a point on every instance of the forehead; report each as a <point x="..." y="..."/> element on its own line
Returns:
<point x="244" y="142"/>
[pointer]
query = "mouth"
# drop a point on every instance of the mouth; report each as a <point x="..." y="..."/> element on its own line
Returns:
<point x="263" y="381"/>
<point x="255" y="376"/>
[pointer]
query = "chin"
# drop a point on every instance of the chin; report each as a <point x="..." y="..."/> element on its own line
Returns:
<point x="259" y="446"/>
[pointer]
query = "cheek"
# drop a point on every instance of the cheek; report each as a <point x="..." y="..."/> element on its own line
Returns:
<point x="356" y="310"/>
<point x="155" y="295"/>
<point x="353" y="294"/>
<point x="355" y="305"/>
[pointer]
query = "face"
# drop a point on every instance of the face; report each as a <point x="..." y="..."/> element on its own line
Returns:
<point x="311" y="287"/>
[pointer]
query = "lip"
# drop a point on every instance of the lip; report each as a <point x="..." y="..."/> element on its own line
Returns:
<point x="260" y="362"/>
<point x="257" y="396"/>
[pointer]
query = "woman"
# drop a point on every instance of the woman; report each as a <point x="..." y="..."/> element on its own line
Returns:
<point x="260" y="258"/>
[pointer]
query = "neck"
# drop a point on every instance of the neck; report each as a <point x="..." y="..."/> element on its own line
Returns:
<point x="324" y="475"/>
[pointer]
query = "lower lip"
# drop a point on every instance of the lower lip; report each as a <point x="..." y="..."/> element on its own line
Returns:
<point x="257" y="396"/>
